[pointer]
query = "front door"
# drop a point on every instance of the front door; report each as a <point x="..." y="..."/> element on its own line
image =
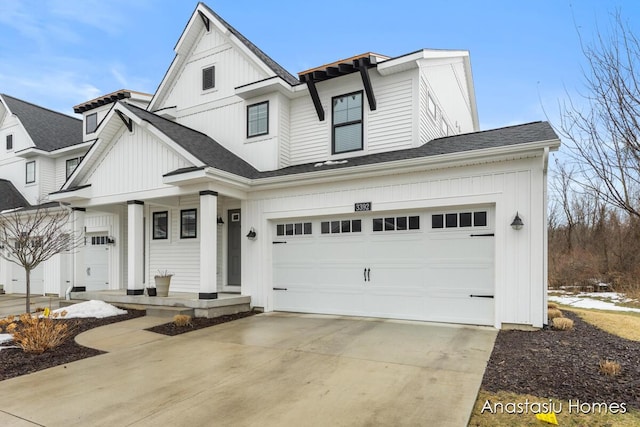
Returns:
<point x="233" y="248"/>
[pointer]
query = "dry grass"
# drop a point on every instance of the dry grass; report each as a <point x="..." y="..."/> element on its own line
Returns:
<point x="182" y="320"/>
<point x="37" y="335"/>
<point x="553" y="313"/>
<point x="562" y="324"/>
<point x="622" y="324"/>
<point x="609" y="367"/>
<point x="552" y="305"/>
<point x="565" y="419"/>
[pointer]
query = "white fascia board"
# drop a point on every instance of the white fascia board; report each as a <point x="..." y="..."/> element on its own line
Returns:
<point x="206" y="175"/>
<point x="72" y="196"/>
<point x="30" y="152"/>
<point x="267" y="86"/>
<point x="410" y="61"/>
<point x="442" y="161"/>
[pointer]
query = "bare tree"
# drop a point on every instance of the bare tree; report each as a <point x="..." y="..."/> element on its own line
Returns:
<point x="603" y="125"/>
<point x="33" y="235"/>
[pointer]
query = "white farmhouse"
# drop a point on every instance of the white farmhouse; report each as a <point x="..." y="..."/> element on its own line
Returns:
<point x="362" y="187"/>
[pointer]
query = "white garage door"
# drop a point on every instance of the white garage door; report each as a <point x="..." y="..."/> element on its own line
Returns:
<point x="19" y="280"/>
<point x="96" y="261"/>
<point x="435" y="266"/>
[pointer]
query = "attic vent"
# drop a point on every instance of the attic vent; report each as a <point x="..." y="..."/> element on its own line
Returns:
<point x="208" y="78"/>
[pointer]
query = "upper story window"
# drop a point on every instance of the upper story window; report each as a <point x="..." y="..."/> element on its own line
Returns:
<point x="30" y="172"/>
<point x="92" y="122"/>
<point x="9" y="142"/>
<point x="347" y="123"/>
<point x="208" y="78"/>
<point x="71" y="165"/>
<point x="258" y="119"/>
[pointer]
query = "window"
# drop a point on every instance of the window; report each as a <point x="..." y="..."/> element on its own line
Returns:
<point x="208" y="78"/>
<point x="161" y="225"/>
<point x="258" y="119"/>
<point x="92" y="122"/>
<point x="9" y="142"/>
<point x="341" y="227"/>
<point x="399" y="223"/>
<point x="459" y="220"/>
<point x="296" y="229"/>
<point x="188" y="224"/>
<point x="31" y="172"/>
<point x="347" y="123"/>
<point x="72" y="164"/>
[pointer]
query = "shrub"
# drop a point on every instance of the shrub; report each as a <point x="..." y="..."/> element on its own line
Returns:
<point x="609" y="367"/>
<point x="182" y="320"/>
<point x="553" y="313"/>
<point x="552" y="305"/>
<point x="37" y="335"/>
<point x="562" y="323"/>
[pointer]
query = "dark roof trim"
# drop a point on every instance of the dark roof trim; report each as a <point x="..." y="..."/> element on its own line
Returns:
<point x="102" y="100"/>
<point x="71" y="189"/>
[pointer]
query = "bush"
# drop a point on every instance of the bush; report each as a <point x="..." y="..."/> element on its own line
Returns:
<point x="552" y="305"/>
<point x="609" y="367"/>
<point x="553" y="313"/>
<point x="37" y="335"/>
<point x="562" y="323"/>
<point x="182" y="320"/>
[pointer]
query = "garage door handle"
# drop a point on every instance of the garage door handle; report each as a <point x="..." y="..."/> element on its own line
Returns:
<point x="279" y="243"/>
<point x="482" y="235"/>
<point x="481" y="296"/>
<point x="279" y="289"/>
<point x="367" y="274"/>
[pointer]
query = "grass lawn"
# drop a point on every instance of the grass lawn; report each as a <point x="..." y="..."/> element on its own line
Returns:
<point x="623" y="324"/>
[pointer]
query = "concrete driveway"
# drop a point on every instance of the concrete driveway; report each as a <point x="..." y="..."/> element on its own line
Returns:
<point x="273" y="369"/>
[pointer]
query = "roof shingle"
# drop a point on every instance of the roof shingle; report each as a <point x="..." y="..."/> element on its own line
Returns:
<point x="10" y="197"/>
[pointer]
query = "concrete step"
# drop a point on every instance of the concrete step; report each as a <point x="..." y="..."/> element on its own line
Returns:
<point x="161" y="311"/>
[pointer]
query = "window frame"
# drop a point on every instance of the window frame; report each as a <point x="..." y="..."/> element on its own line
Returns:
<point x="183" y="232"/>
<point x="213" y="77"/>
<point x="89" y="130"/>
<point x="9" y="142"/>
<point x="249" y="107"/>
<point x="157" y="215"/>
<point x="334" y="126"/>
<point x="66" y="165"/>
<point x="26" y="170"/>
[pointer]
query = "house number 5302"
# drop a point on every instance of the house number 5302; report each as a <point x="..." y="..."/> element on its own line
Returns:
<point x="363" y="206"/>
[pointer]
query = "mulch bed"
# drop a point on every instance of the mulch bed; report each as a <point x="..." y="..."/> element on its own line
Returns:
<point x="172" y="329"/>
<point x="14" y="362"/>
<point x="565" y="364"/>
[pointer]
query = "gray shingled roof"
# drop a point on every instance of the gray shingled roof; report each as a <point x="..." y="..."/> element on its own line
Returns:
<point x="10" y="197"/>
<point x="277" y="68"/>
<point x="215" y="155"/>
<point x="48" y="129"/>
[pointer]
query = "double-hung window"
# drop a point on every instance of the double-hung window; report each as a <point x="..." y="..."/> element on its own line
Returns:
<point x="258" y="119"/>
<point x="30" y="172"/>
<point x="347" y="123"/>
<point x="71" y="165"/>
<point x="188" y="224"/>
<point x="9" y="142"/>
<point x="208" y="78"/>
<point x="160" y="225"/>
<point x="92" y="123"/>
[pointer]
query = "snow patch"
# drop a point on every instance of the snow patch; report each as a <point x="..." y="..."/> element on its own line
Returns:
<point x="93" y="308"/>
<point x="4" y="338"/>
<point x="588" y="300"/>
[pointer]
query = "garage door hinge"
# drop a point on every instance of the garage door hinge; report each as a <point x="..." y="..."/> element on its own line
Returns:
<point x="279" y="243"/>
<point x="482" y="235"/>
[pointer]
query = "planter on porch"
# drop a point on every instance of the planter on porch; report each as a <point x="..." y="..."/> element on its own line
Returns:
<point x="152" y="292"/>
<point x="163" y="280"/>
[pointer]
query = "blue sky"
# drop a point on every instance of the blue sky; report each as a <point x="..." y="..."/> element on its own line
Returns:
<point x="524" y="54"/>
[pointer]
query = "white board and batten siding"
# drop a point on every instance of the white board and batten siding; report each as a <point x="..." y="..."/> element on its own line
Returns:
<point x="510" y="186"/>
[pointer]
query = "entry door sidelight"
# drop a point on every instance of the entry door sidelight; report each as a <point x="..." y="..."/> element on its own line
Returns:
<point x="234" y="241"/>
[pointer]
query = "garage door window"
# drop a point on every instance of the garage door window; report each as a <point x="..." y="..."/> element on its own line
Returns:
<point x="459" y="220"/>
<point x="341" y="226"/>
<point x="294" y="229"/>
<point x="398" y="223"/>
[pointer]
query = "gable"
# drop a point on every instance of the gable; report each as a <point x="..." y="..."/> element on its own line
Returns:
<point x="132" y="161"/>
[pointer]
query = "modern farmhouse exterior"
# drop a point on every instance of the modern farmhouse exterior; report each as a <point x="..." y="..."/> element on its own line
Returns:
<point x="362" y="187"/>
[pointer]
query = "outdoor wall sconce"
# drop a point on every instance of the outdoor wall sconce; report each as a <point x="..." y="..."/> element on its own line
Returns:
<point x="220" y="221"/>
<point x="252" y="234"/>
<point x="517" y="223"/>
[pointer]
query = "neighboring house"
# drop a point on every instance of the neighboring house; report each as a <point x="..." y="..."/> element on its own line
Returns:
<point x="362" y="187"/>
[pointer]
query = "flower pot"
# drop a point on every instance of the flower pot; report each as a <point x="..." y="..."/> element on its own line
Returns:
<point x="162" y="285"/>
<point x="151" y="292"/>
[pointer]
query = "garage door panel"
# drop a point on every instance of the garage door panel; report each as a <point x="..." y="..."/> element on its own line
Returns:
<point x="460" y="310"/>
<point x="455" y="275"/>
<point x="19" y="280"/>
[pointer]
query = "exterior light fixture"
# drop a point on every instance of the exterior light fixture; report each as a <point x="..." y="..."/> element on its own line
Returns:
<point x="252" y="234"/>
<point x="517" y="223"/>
<point x="220" y="221"/>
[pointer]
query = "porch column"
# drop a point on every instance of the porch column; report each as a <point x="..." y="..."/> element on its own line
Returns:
<point x="135" y="236"/>
<point x="208" y="245"/>
<point x="79" y="274"/>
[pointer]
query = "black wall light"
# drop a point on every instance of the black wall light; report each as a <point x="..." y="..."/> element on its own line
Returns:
<point x="517" y="223"/>
<point x="252" y="234"/>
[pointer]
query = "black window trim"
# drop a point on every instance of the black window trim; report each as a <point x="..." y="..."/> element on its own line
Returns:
<point x="26" y="172"/>
<point x="213" y="77"/>
<point x="195" y="225"/>
<point x="153" y="225"/>
<point x="95" y="127"/>
<point x="260" y="133"/>
<point x="334" y="125"/>
<point x="66" y="166"/>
